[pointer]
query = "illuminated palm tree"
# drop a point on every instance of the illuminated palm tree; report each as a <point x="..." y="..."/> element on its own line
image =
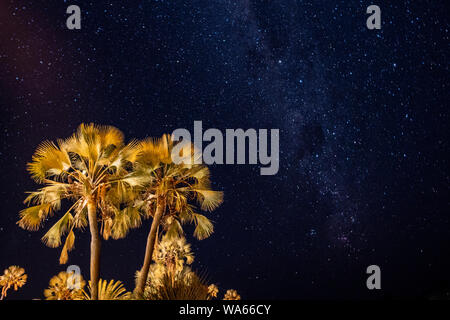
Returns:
<point x="212" y="291"/>
<point x="173" y="253"/>
<point x="112" y="290"/>
<point x="188" y="286"/>
<point x="231" y="294"/>
<point x="170" y="277"/>
<point x="65" y="286"/>
<point x="13" y="277"/>
<point x="89" y="169"/>
<point x="169" y="194"/>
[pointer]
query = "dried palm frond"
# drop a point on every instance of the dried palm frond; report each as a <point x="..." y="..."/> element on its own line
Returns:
<point x="13" y="277"/>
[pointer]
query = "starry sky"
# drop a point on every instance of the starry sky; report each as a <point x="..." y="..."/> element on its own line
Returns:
<point x="363" y="119"/>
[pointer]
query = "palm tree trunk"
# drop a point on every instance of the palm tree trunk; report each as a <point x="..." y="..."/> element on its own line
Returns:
<point x="151" y="238"/>
<point x="95" y="249"/>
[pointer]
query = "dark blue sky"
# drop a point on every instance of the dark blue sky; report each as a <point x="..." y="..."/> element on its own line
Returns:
<point x="363" y="119"/>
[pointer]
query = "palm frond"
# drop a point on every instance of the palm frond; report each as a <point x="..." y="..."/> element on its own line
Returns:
<point x="203" y="226"/>
<point x="53" y="237"/>
<point x="209" y="199"/>
<point x="174" y="229"/>
<point x="68" y="246"/>
<point x="133" y="180"/>
<point x="48" y="160"/>
<point x="93" y="142"/>
<point x="154" y="151"/>
<point x="124" y="220"/>
<point x="31" y="218"/>
<point x="52" y="193"/>
<point x="135" y="216"/>
<point x="128" y="154"/>
<point x="194" y="288"/>
<point x="112" y="290"/>
<point x="80" y="219"/>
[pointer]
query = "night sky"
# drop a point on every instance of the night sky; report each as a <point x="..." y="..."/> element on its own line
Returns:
<point x="363" y="119"/>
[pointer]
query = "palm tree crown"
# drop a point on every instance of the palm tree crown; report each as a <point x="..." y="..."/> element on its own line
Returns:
<point x="89" y="169"/>
<point x="13" y="277"/>
<point x="171" y="192"/>
<point x="65" y="286"/>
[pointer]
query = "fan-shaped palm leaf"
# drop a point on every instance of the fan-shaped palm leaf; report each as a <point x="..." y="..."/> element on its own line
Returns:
<point x="112" y="290"/>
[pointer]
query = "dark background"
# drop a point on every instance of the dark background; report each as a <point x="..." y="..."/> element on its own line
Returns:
<point x="363" y="119"/>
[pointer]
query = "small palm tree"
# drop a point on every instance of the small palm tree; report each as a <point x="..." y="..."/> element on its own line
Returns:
<point x="169" y="277"/>
<point x="13" y="277"/>
<point x="170" y="257"/>
<point x="112" y="290"/>
<point x="65" y="286"/>
<point x="231" y="294"/>
<point x="89" y="169"/>
<point x="173" y="253"/>
<point x="188" y="287"/>
<point x="168" y="196"/>
<point x="212" y="291"/>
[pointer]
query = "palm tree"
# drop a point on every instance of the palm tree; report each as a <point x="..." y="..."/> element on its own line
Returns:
<point x="170" y="277"/>
<point x="169" y="194"/>
<point x="193" y="287"/>
<point x="89" y="169"/>
<point x="65" y="286"/>
<point x="14" y="277"/>
<point x="173" y="253"/>
<point x="112" y="290"/>
<point x="212" y="291"/>
<point x="170" y="256"/>
<point x="231" y="294"/>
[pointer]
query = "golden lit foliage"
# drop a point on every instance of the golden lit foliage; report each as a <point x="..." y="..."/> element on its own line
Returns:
<point x="180" y="185"/>
<point x="93" y="165"/>
<point x="170" y="278"/>
<point x="231" y="294"/>
<point x="191" y="287"/>
<point x="213" y="291"/>
<point x="13" y="277"/>
<point x="112" y="290"/>
<point x="65" y="286"/>
<point x="173" y="253"/>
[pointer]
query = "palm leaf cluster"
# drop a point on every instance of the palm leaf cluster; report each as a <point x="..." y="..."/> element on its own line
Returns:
<point x="182" y="186"/>
<point x="180" y="289"/>
<point x="171" y="257"/>
<point x="65" y="286"/>
<point x="231" y="294"/>
<point x="112" y="290"/>
<point x="90" y="166"/>
<point x="171" y="278"/>
<point x="13" y="277"/>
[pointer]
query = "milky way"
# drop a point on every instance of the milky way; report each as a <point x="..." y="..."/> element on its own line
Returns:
<point x="363" y="132"/>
